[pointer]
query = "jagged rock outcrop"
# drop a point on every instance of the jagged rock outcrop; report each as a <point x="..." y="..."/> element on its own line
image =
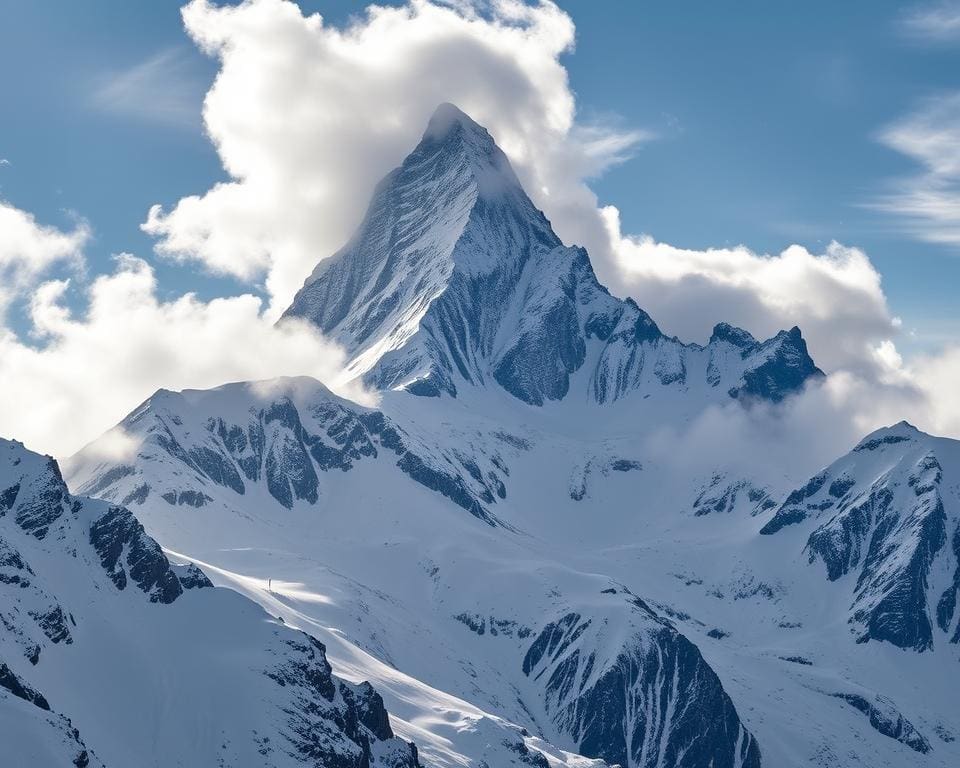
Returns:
<point x="885" y="719"/>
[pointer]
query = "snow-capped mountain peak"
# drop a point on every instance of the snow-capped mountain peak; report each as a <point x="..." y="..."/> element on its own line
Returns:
<point x="525" y="586"/>
<point x="453" y="133"/>
<point x="732" y="335"/>
<point x="455" y="279"/>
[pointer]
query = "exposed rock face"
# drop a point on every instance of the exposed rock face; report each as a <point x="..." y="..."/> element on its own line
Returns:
<point x="73" y="570"/>
<point x="455" y="278"/>
<point x="882" y="513"/>
<point x="120" y="541"/>
<point x="724" y="495"/>
<point x="651" y="701"/>
<point x="233" y="438"/>
<point x="34" y="735"/>
<point x="885" y="719"/>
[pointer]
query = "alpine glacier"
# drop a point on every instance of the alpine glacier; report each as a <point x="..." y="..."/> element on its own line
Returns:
<point x="498" y="549"/>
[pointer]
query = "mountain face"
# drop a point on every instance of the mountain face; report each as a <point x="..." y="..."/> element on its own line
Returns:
<point x="455" y="278"/>
<point x="606" y="607"/>
<point x="887" y="514"/>
<point x="523" y="585"/>
<point x="637" y="696"/>
<point x="235" y="438"/>
<point x="108" y="649"/>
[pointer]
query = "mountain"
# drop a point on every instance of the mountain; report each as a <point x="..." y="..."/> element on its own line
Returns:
<point x="509" y="549"/>
<point x="108" y="650"/>
<point x="205" y="456"/>
<point x="607" y="605"/>
<point x="243" y="438"/>
<point x="455" y="278"/>
<point x="888" y="513"/>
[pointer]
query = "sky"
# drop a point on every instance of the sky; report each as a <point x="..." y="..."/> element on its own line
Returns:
<point x="662" y="136"/>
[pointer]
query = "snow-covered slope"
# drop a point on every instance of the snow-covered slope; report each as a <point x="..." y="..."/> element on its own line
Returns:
<point x="884" y="522"/>
<point x="617" y="607"/>
<point x="455" y="278"/>
<point x="112" y="656"/>
<point x="590" y="668"/>
<point x="521" y="571"/>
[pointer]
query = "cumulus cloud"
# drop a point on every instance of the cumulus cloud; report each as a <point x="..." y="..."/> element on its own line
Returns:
<point x="938" y="375"/>
<point x="835" y="297"/>
<point x="307" y="117"/>
<point x="928" y="202"/>
<point x="780" y="445"/>
<point x="28" y="249"/>
<point x="773" y="446"/>
<point x="89" y="371"/>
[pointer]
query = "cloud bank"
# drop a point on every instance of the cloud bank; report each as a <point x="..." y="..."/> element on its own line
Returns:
<point x="835" y="297"/>
<point x="78" y="376"/>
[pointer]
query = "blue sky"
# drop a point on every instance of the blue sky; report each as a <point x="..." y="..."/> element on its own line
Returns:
<point x="767" y="124"/>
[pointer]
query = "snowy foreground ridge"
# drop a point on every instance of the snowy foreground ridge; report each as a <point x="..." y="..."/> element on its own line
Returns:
<point x="496" y="564"/>
<point x="112" y="655"/>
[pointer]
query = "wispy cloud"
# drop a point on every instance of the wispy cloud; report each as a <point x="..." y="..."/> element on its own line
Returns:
<point x="4" y="161"/>
<point x="939" y="22"/>
<point x="164" y="88"/>
<point x="928" y="202"/>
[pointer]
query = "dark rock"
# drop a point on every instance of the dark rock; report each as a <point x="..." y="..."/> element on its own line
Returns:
<point x="18" y="688"/>
<point x="118" y="532"/>
<point x="885" y="719"/>
<point x="191" y="577"/>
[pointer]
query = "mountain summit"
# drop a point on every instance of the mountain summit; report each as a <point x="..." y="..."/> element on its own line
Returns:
<point x="456" y="278"/>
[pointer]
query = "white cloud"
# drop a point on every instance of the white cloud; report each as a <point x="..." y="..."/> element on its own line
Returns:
<point x="308" y="117"/>
<point x="90" y="371"/>
<point x="794" y="440"/>
<point x="938" y="376"/>
<point x="28" y="249"/>
<point x="939" y="22"/>
<point x="834" y="297"/>
<point x="164" y="88"/>
<point x="928" y="202"/>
